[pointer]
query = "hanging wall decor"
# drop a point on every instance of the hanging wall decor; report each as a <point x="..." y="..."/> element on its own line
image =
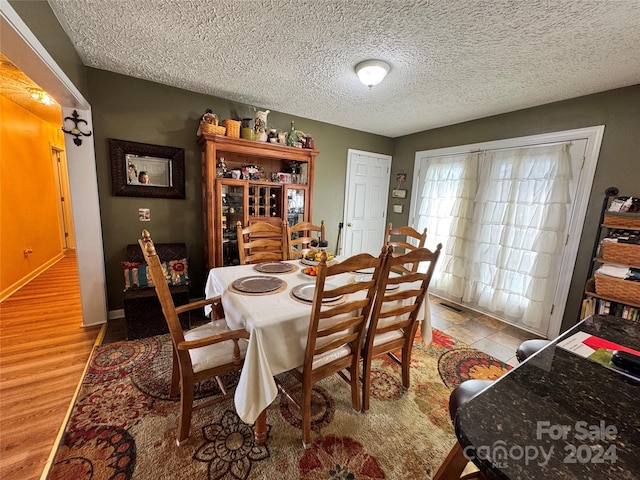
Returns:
<point x="75" y="130"/>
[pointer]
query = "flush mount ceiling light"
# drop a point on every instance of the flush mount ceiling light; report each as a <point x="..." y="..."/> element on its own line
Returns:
<point x="372" y="72"/>
<point x="40" y="96"/>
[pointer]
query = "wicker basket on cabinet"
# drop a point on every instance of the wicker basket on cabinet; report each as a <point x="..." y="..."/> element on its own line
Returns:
<point x="233" y="127"/>
<point x="211" y="128"/>
<point x="621" y="253"/>
<point x="627" y="221"/>
<point x="612" y="287"/>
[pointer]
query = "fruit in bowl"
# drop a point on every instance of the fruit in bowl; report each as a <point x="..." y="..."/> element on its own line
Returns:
<point x="311" y="271"/>
<point x="316" y="255"/>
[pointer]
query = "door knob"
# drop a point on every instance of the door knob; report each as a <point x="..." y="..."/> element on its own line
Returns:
<point x="349" y="225"/>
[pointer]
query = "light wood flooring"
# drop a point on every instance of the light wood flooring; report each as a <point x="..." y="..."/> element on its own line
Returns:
<point x="44" y="349"/>
<point x="43" y="352"/>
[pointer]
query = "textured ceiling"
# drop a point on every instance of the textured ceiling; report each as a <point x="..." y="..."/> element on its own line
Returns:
<point x="451" y="61"/>
<point x="15" y="85"/>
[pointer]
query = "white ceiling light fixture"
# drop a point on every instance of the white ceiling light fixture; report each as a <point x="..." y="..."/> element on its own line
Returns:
<point x="372" y="72"/>
<point x="40" y="96"/>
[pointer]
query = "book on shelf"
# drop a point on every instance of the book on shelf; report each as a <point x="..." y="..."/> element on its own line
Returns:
<point x="599" y="306"/>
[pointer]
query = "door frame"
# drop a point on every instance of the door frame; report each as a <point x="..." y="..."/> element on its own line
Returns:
<point x="345" y="215"/>
<point x="594" y="136"/>
<point x="30" y="56"/>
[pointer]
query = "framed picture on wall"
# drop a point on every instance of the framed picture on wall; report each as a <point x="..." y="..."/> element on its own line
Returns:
<point x="145" y="170"/>
<point x="398" y="193"/>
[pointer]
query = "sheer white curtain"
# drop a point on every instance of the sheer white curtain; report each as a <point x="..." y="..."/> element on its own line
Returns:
<point x="446" y="209"/>
<point x="501" y="216"/>
<point x="519" y="218"/>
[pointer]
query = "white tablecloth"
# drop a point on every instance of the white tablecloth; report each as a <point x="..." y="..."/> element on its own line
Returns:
<point x="277" y="324"/>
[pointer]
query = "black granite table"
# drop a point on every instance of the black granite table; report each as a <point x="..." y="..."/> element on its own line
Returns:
<point x="558" y="415"/>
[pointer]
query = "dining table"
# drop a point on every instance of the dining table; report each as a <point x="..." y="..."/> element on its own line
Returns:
<point x="567" y="412"/>
<point x="277" y="321"/>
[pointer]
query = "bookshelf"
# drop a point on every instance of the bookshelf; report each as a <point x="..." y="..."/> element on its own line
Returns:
<point x="607" y="294"/>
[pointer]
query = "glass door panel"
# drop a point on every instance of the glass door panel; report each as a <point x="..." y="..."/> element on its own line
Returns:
<point x="232" y="202"/>
<point x="296" y="206"/>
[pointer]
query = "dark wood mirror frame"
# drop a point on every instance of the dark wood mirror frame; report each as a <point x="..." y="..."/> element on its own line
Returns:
<point x="121" y="151"/>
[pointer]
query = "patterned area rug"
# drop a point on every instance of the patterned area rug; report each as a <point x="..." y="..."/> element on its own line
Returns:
<point x="123" y="423"/>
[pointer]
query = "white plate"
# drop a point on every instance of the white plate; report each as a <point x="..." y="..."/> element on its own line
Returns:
<point x="257" y="284"/>
<point x="313" y="263"/>
<point x="274" y="267"/>
<point x="305" y="292"/>
<point x="366" y="270"/>
<point x="367" y="277"/>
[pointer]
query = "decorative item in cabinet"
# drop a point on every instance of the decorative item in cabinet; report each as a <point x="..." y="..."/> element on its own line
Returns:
<point x="295" y="205"/>
<point x="232" y="194"/>
<point x="270" y="158"/>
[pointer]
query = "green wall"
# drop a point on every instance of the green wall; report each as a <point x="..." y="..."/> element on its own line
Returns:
<point x="136" y="110"/>
<point x="618" y="164"/>
<point x="131" y="109"/>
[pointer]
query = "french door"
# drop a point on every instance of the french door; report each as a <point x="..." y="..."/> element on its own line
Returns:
<point x="505" y="213"/>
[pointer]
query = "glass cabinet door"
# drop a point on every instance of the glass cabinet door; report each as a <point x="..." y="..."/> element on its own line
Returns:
<point x="296" y="205"/>
<point x="232" y="203"/>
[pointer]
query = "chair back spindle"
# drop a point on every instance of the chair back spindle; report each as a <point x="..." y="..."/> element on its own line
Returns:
<point x="300" y="236"/>
<point x="395" y="314"/>
<point x="261" y="242"/>
<point x="404" y="240"/>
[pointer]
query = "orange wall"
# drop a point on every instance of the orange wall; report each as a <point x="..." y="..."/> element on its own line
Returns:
<point x="29" y="215"/>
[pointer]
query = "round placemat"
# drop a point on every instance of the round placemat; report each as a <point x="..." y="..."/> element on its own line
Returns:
<point x="335" y="302"/>
<point x="356" y="275"/>
<point x="294" y="268"/>
<point x="281" y="288"/>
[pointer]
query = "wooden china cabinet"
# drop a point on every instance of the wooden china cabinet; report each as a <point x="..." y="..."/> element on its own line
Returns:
<point x="229" y="200"/>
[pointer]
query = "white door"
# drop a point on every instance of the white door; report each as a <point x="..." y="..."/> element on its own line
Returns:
<point x="366" y="195"/>
<point x="62" y="190"/>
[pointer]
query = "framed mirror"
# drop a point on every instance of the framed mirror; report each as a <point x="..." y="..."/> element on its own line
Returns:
<point x="144" y="170"/>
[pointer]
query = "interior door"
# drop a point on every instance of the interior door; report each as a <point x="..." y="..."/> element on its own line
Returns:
<point x="367" y="192"/>
<point x="62" y="190"/>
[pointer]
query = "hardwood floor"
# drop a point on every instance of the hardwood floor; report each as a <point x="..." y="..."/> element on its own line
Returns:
<point x="43" y="352"/>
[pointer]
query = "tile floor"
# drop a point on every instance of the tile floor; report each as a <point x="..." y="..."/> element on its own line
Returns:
<point x="488" y="335"/>
<point x="478" y="331"/>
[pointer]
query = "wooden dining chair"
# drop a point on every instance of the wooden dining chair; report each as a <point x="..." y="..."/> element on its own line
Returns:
<point x="300" y="236"/>
<point x="404" y="240"/>
<point x="202" y="353"/>
<point x="261" y="242"/>
<point x="336" y="331"/>
<point x="394" y="316"/>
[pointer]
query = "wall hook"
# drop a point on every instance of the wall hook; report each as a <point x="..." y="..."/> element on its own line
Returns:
<point x="75" y="130"/>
